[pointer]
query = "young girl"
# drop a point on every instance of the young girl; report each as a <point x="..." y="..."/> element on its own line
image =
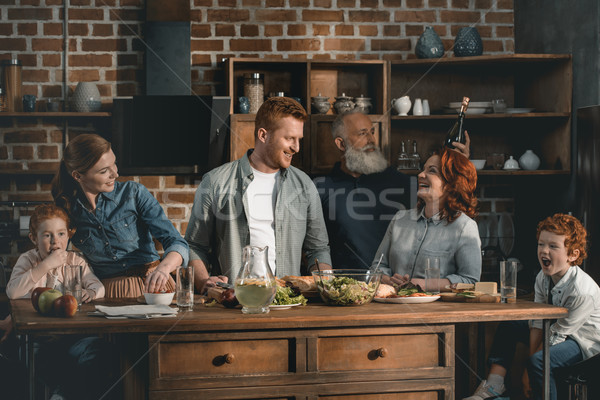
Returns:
<point x="561" y="248"/>
<point x="43" y="266"/>
<point x="87" y="359"/>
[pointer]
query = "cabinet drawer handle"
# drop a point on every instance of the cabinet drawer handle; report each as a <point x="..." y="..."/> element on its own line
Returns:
<point x="229" y="358"/>
<point x="382" y="352"/>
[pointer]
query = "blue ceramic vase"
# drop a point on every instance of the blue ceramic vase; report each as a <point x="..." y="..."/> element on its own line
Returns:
<point x="429" y="44"/>
<point x="468" y="43"/>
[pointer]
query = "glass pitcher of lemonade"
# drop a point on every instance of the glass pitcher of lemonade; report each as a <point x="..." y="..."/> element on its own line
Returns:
<point x="255" y="284"/>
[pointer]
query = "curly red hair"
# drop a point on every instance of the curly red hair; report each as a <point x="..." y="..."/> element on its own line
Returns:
<point x="460" y="181"/>
<point x="45" y="212"/>
<point x="573" y="231"/>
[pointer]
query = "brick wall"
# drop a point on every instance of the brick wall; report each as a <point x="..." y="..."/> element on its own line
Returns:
<point x="105" y="46"/>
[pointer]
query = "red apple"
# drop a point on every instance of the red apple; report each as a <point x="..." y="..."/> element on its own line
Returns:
<point x="46" y="299"/>
<point x="65" y="306"/>
<point x="35" y="295"/>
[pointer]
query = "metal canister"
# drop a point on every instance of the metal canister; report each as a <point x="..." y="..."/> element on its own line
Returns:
<point x="11" y="81"/>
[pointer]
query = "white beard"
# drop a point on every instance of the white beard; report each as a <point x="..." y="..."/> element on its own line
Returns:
<point x="365" y="162"/>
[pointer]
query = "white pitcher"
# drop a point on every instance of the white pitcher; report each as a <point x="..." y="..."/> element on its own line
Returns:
<point x="402" y="105"/>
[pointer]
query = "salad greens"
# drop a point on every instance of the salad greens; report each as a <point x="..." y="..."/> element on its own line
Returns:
<point x="409" y="291"/>
<point x="287" y="296"/>
<point x="347" y="291"/>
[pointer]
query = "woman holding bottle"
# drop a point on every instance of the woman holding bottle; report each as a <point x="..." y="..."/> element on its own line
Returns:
<point x="441" y="226"/>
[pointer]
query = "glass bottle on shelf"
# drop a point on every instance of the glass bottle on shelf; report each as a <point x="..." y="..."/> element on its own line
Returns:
<point x="403" y="159"/>
<point x="415" y="158"/>
<point x="457" y="132"/>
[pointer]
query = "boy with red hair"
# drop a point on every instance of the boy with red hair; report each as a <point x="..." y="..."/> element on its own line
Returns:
<point x="561" y="249"/>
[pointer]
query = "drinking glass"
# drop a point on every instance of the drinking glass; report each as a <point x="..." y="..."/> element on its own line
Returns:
<point x="184" y="291"/>
<point x="73" y="284"/>
<point x="499" y="105"/>
<point x="508" y="281"/>
<point x="432" y="275"/>
<point x="29" y="103"/>
<point x="496" y="160"/>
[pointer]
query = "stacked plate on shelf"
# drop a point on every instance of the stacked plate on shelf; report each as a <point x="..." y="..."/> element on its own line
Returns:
<point x="475" y="107"/>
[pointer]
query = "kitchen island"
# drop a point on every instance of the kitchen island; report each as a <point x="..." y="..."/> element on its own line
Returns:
<point x="375" y="351"/>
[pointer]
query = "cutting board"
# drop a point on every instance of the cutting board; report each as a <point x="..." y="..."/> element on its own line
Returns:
<point x="484" y="298"/>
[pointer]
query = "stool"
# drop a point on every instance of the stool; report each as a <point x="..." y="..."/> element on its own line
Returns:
<point x="578" y="376"/>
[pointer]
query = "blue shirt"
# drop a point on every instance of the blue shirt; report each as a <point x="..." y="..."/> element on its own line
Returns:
<point x="411" y="238"/>
<point x="358" y="211"/>
<point x="118" y="235"/>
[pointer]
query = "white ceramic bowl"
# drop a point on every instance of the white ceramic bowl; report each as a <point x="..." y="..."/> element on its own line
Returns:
<point x="159" y="298"/>
<point x="479" y="164"/>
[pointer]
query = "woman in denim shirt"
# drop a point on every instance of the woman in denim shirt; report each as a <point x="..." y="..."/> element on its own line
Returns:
<point x="116" y="221"/>
<point x="441" y="226"/>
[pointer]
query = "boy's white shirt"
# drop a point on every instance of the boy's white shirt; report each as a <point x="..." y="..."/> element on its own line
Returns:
<point x="580" y="294"/>
<point x="24" y="279"/>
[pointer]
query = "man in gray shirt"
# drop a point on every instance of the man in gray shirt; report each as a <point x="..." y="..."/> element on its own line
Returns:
<point x="259" y="200"/>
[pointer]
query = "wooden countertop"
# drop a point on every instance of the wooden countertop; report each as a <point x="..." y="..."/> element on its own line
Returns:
<point x="317" y="315"/>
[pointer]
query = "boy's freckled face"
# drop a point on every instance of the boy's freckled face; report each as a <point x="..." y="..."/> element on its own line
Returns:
<point x="52" y="234"/>
<point x="553" y="255"/>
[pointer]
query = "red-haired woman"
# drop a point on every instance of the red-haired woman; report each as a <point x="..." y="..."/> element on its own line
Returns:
<point x="441" y="226"/>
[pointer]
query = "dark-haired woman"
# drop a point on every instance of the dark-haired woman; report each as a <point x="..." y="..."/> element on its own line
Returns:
<point x="441" y="226"/>
<point x="116" y="221"/>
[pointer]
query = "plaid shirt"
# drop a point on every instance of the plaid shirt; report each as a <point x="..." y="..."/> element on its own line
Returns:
<point x="218" y="227"/>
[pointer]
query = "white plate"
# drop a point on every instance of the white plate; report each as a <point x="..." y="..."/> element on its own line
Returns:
<point x="519" y="110"/>
<point x="283" y="306"/>
<point x="483" y="224"/>
<point x="470" y="110"/>
<point x="472" y="104"/>
<point x="506" y="233"/>
<point x="492" y="230"/>
<point x="407" y="300"/>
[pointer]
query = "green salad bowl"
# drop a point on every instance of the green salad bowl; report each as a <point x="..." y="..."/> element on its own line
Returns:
<point x="347" y="287"/>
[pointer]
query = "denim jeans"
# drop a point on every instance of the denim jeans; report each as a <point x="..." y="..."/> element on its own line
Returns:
<point x="81" y="367"/>
<point x="510" y="333"/>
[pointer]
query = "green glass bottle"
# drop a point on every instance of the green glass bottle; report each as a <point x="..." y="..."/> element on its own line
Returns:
<point x="457" y="132"/>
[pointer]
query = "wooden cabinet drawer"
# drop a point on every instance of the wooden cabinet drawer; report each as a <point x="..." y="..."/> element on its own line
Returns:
<point x="227" y="357"/>
<point x="378" y="352"/>
<point x="429" y="395"/>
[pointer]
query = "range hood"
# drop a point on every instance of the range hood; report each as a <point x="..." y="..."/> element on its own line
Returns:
<point x="168" y="52"/>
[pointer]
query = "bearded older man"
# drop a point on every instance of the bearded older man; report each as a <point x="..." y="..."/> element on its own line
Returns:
<point x="362" y="193"/>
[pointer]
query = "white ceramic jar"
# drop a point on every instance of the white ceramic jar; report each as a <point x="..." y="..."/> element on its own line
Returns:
<point x="511" y="163"/>
<point x="418" y="107"/>
<point x="529" y="161"/>
<point x="426" y="110"/>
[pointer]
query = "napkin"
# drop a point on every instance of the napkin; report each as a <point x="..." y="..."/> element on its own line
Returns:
<point x="144" y="311"/>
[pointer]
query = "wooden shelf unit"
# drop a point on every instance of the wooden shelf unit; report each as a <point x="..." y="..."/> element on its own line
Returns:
<point x="305" y="79"/>
<point x="539" y="81"/>
<point x="48" y="114"/>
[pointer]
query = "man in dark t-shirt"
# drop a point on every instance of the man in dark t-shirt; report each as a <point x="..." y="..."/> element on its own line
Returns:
<point x="361" y="195"/>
